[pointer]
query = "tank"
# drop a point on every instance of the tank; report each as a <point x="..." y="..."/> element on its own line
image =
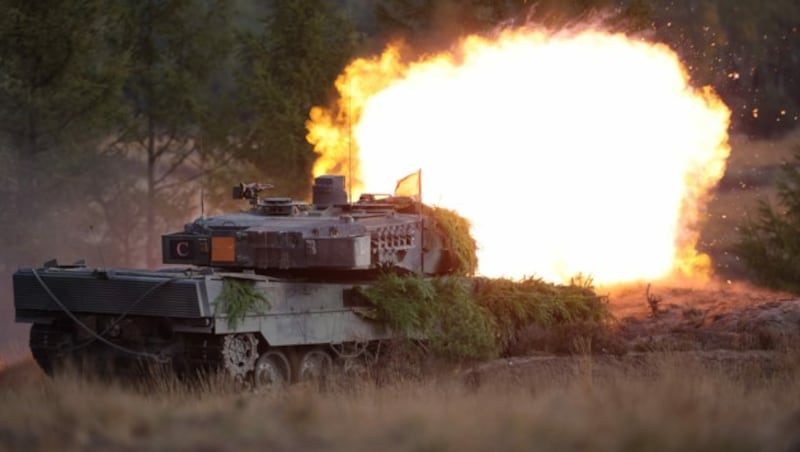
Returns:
<point x="271" y="294"/>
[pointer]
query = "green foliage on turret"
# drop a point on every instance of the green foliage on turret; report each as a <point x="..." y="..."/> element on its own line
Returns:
<point x="462" y="246"/>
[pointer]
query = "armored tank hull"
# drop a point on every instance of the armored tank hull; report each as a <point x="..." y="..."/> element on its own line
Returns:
<point x="128" y="318"/>
<point x="272" y="294"/>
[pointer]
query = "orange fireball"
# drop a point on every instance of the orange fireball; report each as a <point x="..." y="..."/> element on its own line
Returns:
<point x="585" y="152"/>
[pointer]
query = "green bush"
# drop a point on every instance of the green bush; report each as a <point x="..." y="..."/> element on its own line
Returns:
<point x="515" y="305"/>
<point x="464" y="328"/>
<point x="481" y="317"/>
<point x="440" y="310"/>
<point x="770" y="243"/>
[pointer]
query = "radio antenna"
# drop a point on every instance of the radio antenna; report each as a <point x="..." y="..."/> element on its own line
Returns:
<point x="202" y="203"/>
<point x="349" y="143"/>
<point x="96" y="236"/>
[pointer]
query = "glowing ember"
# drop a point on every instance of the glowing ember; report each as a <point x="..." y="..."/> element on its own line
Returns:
<point x="571" y="153"/>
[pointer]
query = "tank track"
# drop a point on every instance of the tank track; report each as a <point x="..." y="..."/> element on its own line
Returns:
<point x="47" y="344"/>
<point x="54" y="346"/>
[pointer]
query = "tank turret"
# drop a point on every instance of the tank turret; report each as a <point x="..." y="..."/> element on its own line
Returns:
<point x="281" y="236"/>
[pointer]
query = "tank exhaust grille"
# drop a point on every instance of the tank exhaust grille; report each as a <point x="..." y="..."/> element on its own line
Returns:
<point x="84" y="292"/>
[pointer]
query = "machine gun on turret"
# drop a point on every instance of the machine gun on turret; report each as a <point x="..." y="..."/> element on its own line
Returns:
<point x="250" y="191"/>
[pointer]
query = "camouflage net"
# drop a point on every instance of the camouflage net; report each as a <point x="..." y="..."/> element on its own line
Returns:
<point x="480" y="318"/>
<point x="460" y="242"/>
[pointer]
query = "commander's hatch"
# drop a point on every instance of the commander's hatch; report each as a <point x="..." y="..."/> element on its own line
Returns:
<point x="380" y="201"/>
<point x="281" y="207"/>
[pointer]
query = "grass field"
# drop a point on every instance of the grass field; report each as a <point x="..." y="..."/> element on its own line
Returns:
<point x="660" y="401"/>
<point x="653" y="402"/>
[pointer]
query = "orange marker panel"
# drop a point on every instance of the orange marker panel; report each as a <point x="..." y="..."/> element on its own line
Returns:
<point x="223" y="249"/>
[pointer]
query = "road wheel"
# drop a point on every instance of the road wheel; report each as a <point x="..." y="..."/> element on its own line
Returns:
<point x="313" y="366"/>
<point x="272" y="370"/>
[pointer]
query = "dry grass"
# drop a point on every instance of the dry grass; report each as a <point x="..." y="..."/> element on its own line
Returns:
<point x="658" y="401"/>
<point x="645" y="402"/>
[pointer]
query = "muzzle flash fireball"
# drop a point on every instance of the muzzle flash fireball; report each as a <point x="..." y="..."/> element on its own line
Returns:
<point x="575" y="152"/>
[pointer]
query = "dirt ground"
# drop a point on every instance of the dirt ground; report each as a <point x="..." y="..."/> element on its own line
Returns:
<point x="716" y="315"/>
<point x="734" y="328"/>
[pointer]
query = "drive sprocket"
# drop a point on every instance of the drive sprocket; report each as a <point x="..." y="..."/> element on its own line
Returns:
<point x="239" y="354"/>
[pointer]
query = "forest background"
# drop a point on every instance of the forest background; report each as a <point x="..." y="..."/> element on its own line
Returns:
<point x="117" y="117"/>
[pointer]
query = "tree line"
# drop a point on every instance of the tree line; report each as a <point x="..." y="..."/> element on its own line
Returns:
<point x="117" y="116"/>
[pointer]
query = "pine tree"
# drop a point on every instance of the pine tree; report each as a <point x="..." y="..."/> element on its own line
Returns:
<point x="770" y="244"/>
<point x="178" y="115"/>
<point x="60" y="75"/>
<point x="287" y="67"/>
